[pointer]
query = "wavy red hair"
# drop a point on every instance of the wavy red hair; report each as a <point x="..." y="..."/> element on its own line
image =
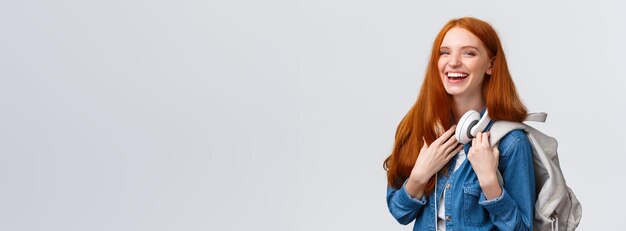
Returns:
<point x="432" y="113"/>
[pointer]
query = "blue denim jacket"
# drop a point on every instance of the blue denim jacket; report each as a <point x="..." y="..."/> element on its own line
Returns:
<point x="466" y="207"/>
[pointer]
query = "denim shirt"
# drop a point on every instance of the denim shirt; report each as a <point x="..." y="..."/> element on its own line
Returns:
<point x="466" y="207"/>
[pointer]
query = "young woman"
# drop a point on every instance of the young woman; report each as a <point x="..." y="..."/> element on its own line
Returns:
<point x="444" y="185"/>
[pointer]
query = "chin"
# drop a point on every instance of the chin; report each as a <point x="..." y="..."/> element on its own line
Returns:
<point x="454" y="90"/>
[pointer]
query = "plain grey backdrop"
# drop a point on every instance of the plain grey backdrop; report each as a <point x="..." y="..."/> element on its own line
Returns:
<point x="271" y="115"/>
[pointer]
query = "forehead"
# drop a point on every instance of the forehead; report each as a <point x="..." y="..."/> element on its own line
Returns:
<point x="458" y="37"/>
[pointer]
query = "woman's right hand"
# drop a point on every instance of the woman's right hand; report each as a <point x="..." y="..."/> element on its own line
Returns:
<point x="430" y="160"/>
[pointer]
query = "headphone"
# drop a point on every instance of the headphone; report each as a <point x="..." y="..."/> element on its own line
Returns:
<point x="470" y="124"/>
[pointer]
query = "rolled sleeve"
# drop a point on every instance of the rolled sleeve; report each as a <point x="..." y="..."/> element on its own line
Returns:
<point x="499" y="205"/>
<point x="407" y="199"/>
<point x="402" y="206"/>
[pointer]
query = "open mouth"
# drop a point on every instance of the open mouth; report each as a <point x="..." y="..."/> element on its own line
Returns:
<point x="456" y="76"/>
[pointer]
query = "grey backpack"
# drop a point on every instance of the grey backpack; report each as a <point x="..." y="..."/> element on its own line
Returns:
<point x="556" y="207"/>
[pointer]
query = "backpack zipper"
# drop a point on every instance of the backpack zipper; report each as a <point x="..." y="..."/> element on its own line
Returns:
<point x="554" y="224"/>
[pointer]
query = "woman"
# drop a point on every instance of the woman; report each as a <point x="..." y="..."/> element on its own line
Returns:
<point x="441" y="184"/>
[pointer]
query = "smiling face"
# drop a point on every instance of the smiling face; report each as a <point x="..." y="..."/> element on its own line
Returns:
<point x="463" y="63"/>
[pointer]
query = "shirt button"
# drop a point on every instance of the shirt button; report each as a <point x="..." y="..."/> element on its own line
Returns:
<point x="448" y="218"/>
<point x="448" y="186"/>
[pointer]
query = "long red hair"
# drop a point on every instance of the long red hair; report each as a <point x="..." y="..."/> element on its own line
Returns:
<point x="432" y="112"/>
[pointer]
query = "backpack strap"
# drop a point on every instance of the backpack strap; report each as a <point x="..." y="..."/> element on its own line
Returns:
<point x="500" y="128"/>
<point x="536" y="117"/>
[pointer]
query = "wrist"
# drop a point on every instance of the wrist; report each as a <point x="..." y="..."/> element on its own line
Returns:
<point x="488" y="180"/>
<point x="415" y="186"/>
<point x="490" y="186"/>
<point x="419" y="178"/>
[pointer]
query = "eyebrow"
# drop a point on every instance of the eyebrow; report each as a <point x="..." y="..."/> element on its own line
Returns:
<point x="461" y="47"/>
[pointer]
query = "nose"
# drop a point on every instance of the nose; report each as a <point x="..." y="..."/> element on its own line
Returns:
<point x="454" y="61"/>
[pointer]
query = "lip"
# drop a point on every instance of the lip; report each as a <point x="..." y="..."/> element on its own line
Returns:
<point x="456" y="80"/>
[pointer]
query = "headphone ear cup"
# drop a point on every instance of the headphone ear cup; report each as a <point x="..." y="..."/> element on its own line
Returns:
<point x="463" y="128"/>
<point x="481" y="125"/>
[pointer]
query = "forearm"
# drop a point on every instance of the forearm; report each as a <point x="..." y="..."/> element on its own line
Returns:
<point x="416" y="185"/>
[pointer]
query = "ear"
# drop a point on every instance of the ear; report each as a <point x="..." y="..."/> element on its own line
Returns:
<point x="490" y="68"/>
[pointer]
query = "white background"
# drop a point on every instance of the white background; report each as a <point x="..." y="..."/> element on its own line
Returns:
<point x="271" y="115"/>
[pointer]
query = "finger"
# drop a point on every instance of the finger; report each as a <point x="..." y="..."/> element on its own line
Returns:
<point x="496" y="155"/>
<point x="474" y="142"/>
<point x="451" y="147"/>
<point x="454" y="152"/>
<point x="446" y="135"/>
<point x="496" y="152"/>
<point x="479" y="138"/>
<point x="485" y="139"/>
<point x="450" y="143"/>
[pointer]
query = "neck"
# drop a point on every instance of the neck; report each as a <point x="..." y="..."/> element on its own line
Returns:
<point x="464" y="104"/>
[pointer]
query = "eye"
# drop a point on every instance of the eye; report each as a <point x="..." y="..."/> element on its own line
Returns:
<point x="469" y="53"/>
<point x="444" y="52"/>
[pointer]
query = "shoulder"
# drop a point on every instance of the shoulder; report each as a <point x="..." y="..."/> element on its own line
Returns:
<point x="513" y="142"/>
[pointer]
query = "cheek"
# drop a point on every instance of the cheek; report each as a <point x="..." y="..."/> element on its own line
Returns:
<point x="475" y="69"/>
<point x="441" y="65"/>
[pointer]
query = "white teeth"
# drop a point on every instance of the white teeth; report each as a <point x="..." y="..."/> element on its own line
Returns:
<point x="457" y="75"/>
